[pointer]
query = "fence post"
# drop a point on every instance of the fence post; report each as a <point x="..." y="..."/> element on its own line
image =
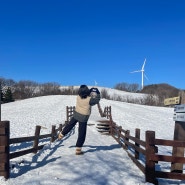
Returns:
<point x="105" y="112"/>
<point x="150" y="165"/>
<point x="127" y="133"/>
<point x="119" y="133"/>
<point x="67" y="112"/>
<point x="100" y="110"/>
<point x="137" y="135"/>
<point x="53" y="133"/>
<point x="111" y="127"/>
<point x="109" y="112"/>
<point x="72" y="112"/>
<point x="60" y="128"/>
<point x="36" y="141"/>
<point x="4" y="149"/>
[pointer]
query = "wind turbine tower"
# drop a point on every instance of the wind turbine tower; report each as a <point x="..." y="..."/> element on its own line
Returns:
<point x="142" y="74"/>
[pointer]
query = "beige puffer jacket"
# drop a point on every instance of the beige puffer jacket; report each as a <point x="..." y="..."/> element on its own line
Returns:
<point x="83" y="107"/>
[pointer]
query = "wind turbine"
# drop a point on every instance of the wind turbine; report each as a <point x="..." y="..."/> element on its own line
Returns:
<point x="142" y="74"/>
<point x="95" y="83"/>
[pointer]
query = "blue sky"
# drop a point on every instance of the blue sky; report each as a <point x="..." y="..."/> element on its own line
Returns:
<point x="75" y="42"/>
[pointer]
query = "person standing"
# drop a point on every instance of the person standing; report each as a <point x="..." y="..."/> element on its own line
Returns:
<point x="85" y="99"/>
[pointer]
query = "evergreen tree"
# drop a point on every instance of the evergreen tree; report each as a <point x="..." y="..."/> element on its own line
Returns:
<point x="1" y="96"/>
<point x="8" y="97"/>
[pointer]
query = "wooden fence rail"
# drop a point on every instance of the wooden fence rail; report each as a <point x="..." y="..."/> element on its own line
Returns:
<point x="35" y="140"/>
<point x="5" y="141"/>
<point x="138" y="149"/>
<point x="106" y="113"/>
<point x="69" y="112"/>
<point x="145" y="153"/>
<point x="101" y="111"/>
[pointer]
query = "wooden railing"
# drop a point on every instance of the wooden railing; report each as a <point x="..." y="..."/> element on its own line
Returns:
<point x="102" y="114"/>
<point x="145" y="153"/>
<point x="5" y="141"/>
<point x="35" y="139"/>
<point x="69" y="112"/>
<point x="106" y="113"/>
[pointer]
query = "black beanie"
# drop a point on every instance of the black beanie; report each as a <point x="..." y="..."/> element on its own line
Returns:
<point x="83" y="91"/>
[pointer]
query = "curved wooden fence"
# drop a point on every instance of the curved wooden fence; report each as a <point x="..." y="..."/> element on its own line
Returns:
<point x="145" y="153"/>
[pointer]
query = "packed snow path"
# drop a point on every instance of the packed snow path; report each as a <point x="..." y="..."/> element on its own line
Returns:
<point x="104" y="162"/>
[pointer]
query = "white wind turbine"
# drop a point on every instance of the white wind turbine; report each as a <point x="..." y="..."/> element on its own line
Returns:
<point x="95" y="83"/>
<point x="142" y="74"/>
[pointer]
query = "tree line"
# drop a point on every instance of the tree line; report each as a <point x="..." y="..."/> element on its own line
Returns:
<point x="12" y="90"/>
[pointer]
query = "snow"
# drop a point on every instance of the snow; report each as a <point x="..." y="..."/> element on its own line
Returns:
<point x="104" y="161"/>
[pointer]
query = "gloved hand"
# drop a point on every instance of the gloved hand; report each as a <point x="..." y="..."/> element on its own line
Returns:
<point x="94" y="90"/>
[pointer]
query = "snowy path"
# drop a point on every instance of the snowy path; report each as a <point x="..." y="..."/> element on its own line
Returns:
<point x="104" y="162"/>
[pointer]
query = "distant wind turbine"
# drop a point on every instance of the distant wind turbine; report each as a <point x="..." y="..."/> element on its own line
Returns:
<point x="142" y="74"/>
<point x="95" y="83"/>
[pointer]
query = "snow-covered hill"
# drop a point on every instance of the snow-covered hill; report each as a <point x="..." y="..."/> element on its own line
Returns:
<point x="104" y="161"/>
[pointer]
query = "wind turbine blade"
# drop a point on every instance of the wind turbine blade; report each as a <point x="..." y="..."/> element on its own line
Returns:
<point x="135" y="71"/>
<point x="146" y="77"/>
<point x="144" y="64"/>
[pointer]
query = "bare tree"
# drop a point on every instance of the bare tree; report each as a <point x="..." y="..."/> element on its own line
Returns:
<point x="49" y="89"/>
<point x="127" y="87"/>
<point x="24" y="89"/>
<point x="7" y="82"/>
<point x="122" y="86"/>
<point x="69" y="90"/>
<point x="133" y="87"/>
<point x="104" y="94"/>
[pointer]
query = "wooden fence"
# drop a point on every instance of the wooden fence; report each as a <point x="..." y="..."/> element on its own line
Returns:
<point x="69" y="112"/>
<point x="106" y="113"/>
<point x="5" y="141"/>
<point x="145" y="153"/>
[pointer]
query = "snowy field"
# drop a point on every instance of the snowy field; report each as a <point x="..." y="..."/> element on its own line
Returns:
<point x="104" y="161"/>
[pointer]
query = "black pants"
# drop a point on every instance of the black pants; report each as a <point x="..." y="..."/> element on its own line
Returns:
<point x="81" y="131"/>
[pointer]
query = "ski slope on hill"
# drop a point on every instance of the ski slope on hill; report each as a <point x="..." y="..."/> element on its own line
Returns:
<point x="104" y="161"/>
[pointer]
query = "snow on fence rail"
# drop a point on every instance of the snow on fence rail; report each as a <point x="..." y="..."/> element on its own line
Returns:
<point x="145" y="153"/>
